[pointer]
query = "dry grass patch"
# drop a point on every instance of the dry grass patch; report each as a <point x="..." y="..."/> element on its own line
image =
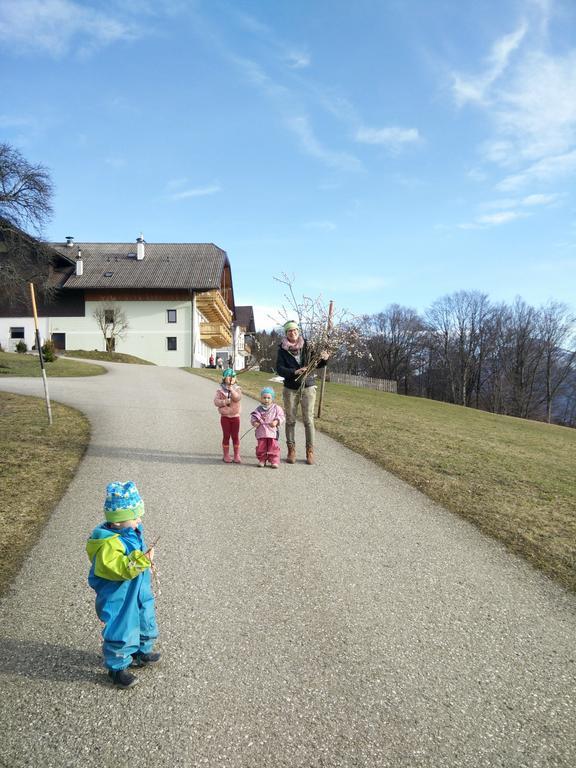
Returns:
<point x="111" y="357"/>
<point x="38" y="462"/>
<point x="13" y="364"/>
<point x="511" y="477"/>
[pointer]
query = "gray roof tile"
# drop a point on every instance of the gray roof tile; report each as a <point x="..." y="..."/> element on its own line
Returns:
<point x="193" y="266"/>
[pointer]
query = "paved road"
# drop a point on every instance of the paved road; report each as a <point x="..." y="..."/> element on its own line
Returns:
<point x="311" y="616"/>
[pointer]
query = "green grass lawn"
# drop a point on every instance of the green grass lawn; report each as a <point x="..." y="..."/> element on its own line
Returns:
<point x="13" y="364"/>
<point x="511" y="477"/>
<point x="37" y="463"/>
<point x="111" y="357"/>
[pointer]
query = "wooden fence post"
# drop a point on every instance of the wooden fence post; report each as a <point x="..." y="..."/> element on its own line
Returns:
<point x="323" y="377"/>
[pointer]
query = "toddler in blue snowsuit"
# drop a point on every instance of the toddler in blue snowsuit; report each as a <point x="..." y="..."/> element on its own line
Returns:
<point x="120" y="576"/>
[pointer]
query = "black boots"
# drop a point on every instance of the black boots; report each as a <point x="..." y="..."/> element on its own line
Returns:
<point x="122" y="678"/>
<point x="143" y="659"/>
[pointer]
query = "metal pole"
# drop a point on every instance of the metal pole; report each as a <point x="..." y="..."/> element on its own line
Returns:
<point x="39" y="348"/>
<point x="323" y="377"/>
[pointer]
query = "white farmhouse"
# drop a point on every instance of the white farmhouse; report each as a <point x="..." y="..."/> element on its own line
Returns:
<point x="177" y="299"/>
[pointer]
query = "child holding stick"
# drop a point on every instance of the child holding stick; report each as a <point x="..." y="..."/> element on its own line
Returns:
<point x="227" y="400"/>
<point x="267" y="417"/>
<point x="120" y="576"/>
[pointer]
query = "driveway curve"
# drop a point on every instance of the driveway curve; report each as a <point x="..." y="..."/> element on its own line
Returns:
<point x="312" y="616"/>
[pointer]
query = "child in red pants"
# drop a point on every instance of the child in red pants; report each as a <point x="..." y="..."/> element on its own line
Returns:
<point x="267" y="418"/>
<point x="227" y="400"/>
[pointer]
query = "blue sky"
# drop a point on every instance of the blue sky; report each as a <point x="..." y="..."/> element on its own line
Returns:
<point x="381" y="151"/>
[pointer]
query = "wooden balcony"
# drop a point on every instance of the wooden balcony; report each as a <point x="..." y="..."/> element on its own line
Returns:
<point x="214" y="308"/>
<point x="216" y="334"/>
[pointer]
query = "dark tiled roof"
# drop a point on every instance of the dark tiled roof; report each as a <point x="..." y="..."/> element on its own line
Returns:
<point x="194" y="266"/>
<point x="245" y="318"/>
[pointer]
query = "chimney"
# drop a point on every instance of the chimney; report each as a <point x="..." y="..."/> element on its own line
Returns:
<point x="69" y="241"/>
<point x="140" y="247"/>
<point x="79" y="264"/>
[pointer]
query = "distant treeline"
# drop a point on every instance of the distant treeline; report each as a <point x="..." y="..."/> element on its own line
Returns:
<point x="510" y="359"/>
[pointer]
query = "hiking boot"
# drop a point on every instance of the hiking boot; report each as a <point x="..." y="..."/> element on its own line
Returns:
<point x="140" y="659"/>
<point x="261" y="463"/>
<point x="273" y="466"/>
<point x="122" y="678"/>
<point x="309" y="455"/>
<point x="291" y="458"/>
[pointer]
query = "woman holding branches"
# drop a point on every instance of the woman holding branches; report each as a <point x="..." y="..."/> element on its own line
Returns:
<point x="296" y="364"/>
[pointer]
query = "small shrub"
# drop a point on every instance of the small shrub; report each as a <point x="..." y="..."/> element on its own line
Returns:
<point x="21" y="347"/>
<point x="49" y="351"/>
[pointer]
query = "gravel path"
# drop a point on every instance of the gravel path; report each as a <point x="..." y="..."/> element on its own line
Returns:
<point x="309" y="616"/>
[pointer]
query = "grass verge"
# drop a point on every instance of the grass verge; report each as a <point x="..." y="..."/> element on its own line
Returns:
<point x="38" y="463"/>
<point x="511" y="477"/>
<point x="111" y="357"/>
<point x="13" y="364"/>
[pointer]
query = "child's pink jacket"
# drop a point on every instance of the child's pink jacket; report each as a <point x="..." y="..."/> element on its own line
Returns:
<point x="231" y="409"/>
<point x="264" y="417"/>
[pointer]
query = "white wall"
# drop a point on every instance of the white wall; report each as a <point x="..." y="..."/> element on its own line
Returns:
<point x="9" y="345"/>
<point x="146" y="336"/>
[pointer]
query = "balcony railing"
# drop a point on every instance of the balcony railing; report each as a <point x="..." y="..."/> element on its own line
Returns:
<point x="213" y="307"/>
<point x="216" y="334"/>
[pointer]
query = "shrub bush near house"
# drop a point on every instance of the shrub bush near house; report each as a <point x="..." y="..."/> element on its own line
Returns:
<point x="49" y="351"/>
<point x="21" y="347"/>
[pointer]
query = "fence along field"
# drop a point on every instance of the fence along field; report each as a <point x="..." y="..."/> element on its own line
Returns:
<point x="368" y="382"/>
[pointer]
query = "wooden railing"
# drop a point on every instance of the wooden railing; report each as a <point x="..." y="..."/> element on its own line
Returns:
<point x="213" y="307"/>
<point x="216" y="334"/>
<point x="383" y="385"/>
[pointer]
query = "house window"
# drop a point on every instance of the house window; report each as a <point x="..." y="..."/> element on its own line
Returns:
<point x="171" y="315"/>
<point x="109" y="316"/>
<point x="16" y="333"/>
<point x="171" y="343"/>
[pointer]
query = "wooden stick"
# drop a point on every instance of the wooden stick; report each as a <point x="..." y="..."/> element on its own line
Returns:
<point x="323" y="377"/>
<point x="39" y="348"/>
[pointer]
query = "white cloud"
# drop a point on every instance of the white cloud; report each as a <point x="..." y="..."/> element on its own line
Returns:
<point x="391" y="136"/>
<point x="196" y="192"/>
<point x="54" y="26"/>
<point x="494" y="219"/>
<point x="502" y="217"/>
<point x="312" y="146"/>
<point x="298" y="59"/>
<point x="529" y="95"/>
<point x="539" y="199"/>
<point x="544" y="170"/>
<point x="476" y="88"/>
<point x="514" y="202"/>
<point x="325" y="226"/>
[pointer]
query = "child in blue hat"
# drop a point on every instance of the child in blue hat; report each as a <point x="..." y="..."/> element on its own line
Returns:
<point x="121" y="577"/>
<point x="267" y="417"/>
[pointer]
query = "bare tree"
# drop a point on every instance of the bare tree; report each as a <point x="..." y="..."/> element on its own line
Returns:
<point x="457" y="332"/>
<point x="25" y="191"/>
<point x="113" y="323"/>
<point x="394" y="336"/>
<point x="520" y="354"/>
<point x="25" y="204"/>
<point x="555" y="331"/>
<point x="265" y="349"/>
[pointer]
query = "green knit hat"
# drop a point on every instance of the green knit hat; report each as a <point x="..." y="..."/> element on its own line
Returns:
<point x="290" y="325"/>
<point x="228" y="372"/>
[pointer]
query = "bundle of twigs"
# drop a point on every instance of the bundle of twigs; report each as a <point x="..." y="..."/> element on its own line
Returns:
<point x="327" y="334"/>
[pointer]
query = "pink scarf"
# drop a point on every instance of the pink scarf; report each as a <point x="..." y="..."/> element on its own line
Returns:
<point x="293" y="348"/>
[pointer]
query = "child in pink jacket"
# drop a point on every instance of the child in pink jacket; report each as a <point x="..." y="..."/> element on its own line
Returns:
<point x="227" y="400"/>
<point x="267" y="418"/>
